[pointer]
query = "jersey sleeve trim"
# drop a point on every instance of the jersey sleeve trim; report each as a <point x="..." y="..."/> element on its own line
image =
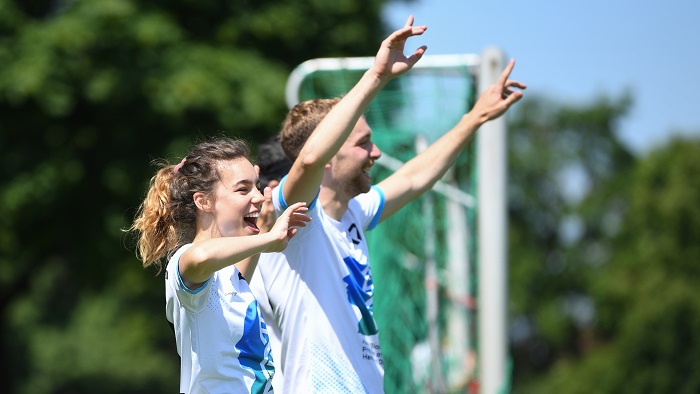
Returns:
<point x="284" y="204"/>
<point x="378" y="215"/>
<point x="185" y="288"/>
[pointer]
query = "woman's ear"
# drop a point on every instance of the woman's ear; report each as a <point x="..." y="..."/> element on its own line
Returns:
<point x="203" y="202"/>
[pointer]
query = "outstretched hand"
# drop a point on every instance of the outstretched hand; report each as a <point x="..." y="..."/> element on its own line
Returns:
<point x="497" y="98"/>
<point x="286" y="226"/>
<point x="267" y="212"/>
<point x="390" y="61"/>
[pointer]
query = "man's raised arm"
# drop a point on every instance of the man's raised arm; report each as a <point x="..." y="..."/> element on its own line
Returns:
<point x="305" y="177"/>
<point x="420" y="173"/>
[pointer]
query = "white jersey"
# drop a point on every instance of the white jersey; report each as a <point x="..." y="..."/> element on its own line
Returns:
<point x="221" y="336"/>
<point x="257" y="286"/>
<point x="321" y="291"/>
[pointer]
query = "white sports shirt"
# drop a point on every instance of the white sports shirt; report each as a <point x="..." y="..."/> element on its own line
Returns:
<point x="221" y="336"/>
<point x="320" y="291"/>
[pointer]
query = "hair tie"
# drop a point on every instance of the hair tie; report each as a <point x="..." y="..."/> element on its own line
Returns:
<point x="177" y="167"/>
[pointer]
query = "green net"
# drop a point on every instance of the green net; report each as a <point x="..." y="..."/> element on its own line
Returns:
<point x="423" y="257"/>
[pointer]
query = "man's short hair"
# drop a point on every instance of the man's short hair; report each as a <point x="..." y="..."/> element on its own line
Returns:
<point x="301" y="121"/>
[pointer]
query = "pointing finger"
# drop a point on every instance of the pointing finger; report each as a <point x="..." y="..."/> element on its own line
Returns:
<point x="506" y="73"/>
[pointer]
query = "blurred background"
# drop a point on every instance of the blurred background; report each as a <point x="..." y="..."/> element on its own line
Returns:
<point x="604" y="157"/>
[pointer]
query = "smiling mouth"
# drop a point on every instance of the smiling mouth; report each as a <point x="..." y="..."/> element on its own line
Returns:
<point x="251" y="220"/>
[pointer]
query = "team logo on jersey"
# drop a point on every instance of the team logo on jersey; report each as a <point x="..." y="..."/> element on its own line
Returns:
<point x="354" y="234"/>
<point x="360" y="291"/>
<point x="254" y="347"/>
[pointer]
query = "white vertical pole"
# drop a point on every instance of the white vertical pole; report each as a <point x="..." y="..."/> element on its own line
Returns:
<point x="458" y="265"/>
<point x="492" y="229"/>
<point x="431" y="282"/>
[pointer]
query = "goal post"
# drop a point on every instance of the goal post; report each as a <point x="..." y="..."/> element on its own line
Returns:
<point x="492" y="232"/>
<point x="440" y="264"/>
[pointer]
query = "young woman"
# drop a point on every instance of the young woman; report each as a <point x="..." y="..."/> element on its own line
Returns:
<point x="201" y="215"/>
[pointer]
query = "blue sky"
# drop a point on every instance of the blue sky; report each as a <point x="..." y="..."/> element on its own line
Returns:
<point x="577" y="51"/>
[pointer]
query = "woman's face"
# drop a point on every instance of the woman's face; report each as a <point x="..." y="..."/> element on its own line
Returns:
<point x="237" y="198"/>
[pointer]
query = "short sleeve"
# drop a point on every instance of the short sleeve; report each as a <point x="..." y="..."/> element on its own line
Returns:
<point x="188" y="297"/>
<point x="279" y="201"/>
<point x="369" y="207"/>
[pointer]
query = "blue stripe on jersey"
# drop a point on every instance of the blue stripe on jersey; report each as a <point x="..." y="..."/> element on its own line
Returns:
<point x="254" y="350"/>
<point x="360" y="289"/>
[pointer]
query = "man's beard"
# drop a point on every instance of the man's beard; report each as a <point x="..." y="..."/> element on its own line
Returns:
<point x="357" y="185"/>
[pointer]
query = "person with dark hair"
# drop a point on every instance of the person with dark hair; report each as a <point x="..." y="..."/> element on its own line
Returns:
<point x="200" y="215"/>
<point x="273" y="162"/>
<point x="274" y="165"/>
<point x="321" y="288"/>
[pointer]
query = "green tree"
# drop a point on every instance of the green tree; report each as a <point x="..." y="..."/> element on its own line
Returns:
<point x="646" y="297"/>
<point x="90" y="92"/>
<point x="603" y="255"/>
<point x="566" y="168"/>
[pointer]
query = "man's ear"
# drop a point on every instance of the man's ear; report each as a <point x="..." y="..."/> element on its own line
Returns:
<point x="203" y="202"/>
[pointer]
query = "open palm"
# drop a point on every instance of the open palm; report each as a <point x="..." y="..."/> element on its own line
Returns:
<point x="390" y="61"/>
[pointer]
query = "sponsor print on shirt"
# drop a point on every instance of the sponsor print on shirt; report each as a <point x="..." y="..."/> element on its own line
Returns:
<point x="255" y="351"/>
<point x="360" y="291"/>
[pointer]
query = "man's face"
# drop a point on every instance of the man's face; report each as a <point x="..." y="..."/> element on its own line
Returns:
<point x="350" y="167"/>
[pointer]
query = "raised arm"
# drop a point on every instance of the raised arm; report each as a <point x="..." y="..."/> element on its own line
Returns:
<point x="420" y="173"/>
<point x="306" y="174"/>
<point x="265" y="223"/>
<point x="204" y="258"/>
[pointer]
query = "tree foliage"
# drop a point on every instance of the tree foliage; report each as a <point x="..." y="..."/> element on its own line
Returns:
<point x="565" y="165"/>
<point x="604" y="281"/>
<point x="91" y="91"/>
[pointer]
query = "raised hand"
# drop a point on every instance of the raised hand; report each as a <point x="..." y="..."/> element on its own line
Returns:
<point x="286" y="226"/>
<point x="496" y="100"/>
<point x="390" y="61"/>
<point x="267" y="212"/>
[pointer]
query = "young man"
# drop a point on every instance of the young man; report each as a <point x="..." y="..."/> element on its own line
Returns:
<point x="320" y="288"/>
